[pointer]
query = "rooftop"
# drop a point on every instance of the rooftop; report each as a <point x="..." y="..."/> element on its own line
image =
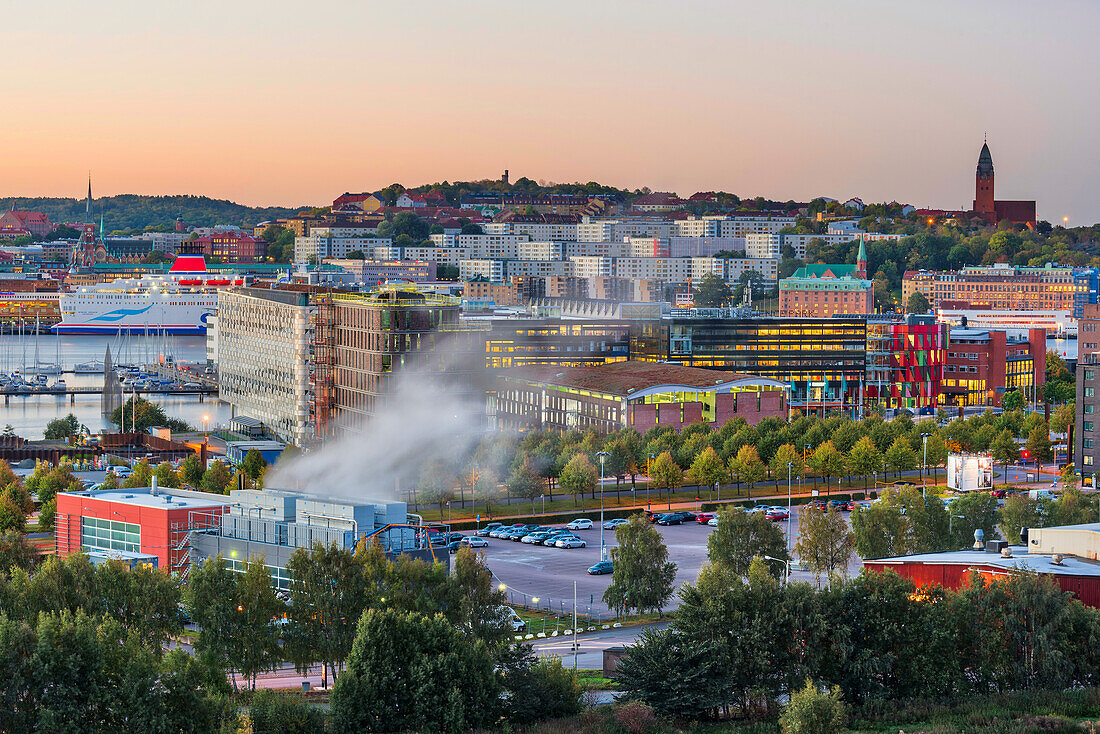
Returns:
<point x="164" y="499"/>
<point x="1020" y="560"/>
<point x="632" y="379"/>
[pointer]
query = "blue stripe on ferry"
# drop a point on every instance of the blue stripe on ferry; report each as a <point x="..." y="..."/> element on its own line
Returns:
<point x="96" y="329"/>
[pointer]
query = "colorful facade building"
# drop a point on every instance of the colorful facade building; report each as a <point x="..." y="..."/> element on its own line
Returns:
<point x="905" y="362"/>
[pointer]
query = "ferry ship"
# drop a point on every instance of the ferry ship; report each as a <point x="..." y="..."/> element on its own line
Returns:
<point x="177" y="303"/>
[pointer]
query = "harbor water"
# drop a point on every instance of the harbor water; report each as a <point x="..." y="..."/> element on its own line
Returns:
<point x="29" y="413"/>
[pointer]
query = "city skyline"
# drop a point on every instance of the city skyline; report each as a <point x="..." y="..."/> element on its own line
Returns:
<point x="787" y="101"/>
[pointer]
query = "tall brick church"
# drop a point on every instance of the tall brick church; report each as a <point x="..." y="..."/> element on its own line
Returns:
<point x="987" y="207"/>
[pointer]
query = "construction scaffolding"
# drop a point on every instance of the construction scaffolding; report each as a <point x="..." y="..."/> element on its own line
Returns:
<point x="322" y="365"/>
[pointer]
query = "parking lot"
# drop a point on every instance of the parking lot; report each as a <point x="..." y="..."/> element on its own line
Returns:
<point x="531" y="571"/>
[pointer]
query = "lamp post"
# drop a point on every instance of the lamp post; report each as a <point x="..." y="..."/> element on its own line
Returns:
<point x="603" y="550"/>
<point x="786" y="565"/>
<point x="206" y="434"/>
<point x="924" y="469"/>
<point x="951" y="524"/>
<point x="649" y="476"/>
<point x="790" y="465"/>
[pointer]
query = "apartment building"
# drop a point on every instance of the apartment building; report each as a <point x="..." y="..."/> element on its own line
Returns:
<point x="338" y="242"/>
<point x="592" y="266"/>
<point x="1086" y="438"/>
<point x="668" y="269"/>
<point x="441" y="255"/>
<point x="734" y="267"/>
<point x="1000" y="287"/>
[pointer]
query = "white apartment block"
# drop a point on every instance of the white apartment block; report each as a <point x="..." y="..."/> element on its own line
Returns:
<point x="592" y="266"/>
<point x="704" y="246"/>
<point x="667" y="269"/>
<point x="490" y="246"/>
<point x="758" y="245"/>
<point x="741" y="226"/>
<point x="537" y="268"/>
<point x="492" y="270"/>
<point x="600" y="230"/>
<point x="541" y="250"/>
<point x="733" y="268"/>
<point x="319" y="244"/>
<point x="603" y="249"/>
<point x="699" y="227"/>
<point x="440" y="255"/>
<point x="535" y="230"/>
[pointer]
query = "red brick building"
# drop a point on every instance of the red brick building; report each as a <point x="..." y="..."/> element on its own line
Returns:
<point x="146" y="520"/>
<point x="982" y="365"/>
<point x="228" y="247"/>
<point x="16" y="222"/>
<point x="987" y="207"/>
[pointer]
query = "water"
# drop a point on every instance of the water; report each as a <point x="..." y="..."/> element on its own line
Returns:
<point x="1066" y="348"/>
<point x="28" y="414"/>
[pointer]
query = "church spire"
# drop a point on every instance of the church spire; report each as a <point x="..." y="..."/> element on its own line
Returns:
<point x="985" y="162"/>
<point x="88" y="202"/>
<point x="861" y="260"/>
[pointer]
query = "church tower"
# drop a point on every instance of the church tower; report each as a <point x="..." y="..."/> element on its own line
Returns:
<point x="861" y="261"/>
<point x="983" y="186"/>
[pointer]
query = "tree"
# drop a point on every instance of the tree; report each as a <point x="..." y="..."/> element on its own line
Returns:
<point x="827" y="461"/>
<point x="328" y="594"/>
<point x="537" y="688"/>
<point x="215" y="479"/>
<point x="711" y="290"/>
<point x="751" y="282"/>
<point x="665" y="473"/>
<point x="578" y="476"/>
<point x="407" y="672"/>
<point x="748" y="467"/>
<point x="1062" y="418"/>
<point x="917" y="303"/>
<point x="742" y="536"/>
<point x="191" y="470"/>
<point x="708" y="468"/>
<point x="1004" y="449"/>
<point x="879" y="531"/>
<point x="812" y="711"/>
<point x="825" y="543"/>
<point x="211" y="599"/>
<point x="864" y="458"/>
<point x="254" y="644"/>
<point x="900" y="456"/>
<point x="357" y="255"/>
<point x="59" y="428"/>
<point x="969" y="512"/>
<point x="138" y="415"/>
<point x="471" y="228"/>
<point x="524" y="481"/>
<point x="1020" y="511"/>
<point x="436" y="485"/>
<point x="254" y="464"/>
<point x="643" y="576"/>
<point x="787" y="454"/>
<point x="145" y="601"/>
<point x="1038" y="443"/>
<point x="16" y="552"/>
<point x="167" y="476"/>
<point x="1012" y="400"/>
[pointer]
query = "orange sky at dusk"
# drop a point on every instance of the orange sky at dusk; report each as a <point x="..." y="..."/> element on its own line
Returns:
<point x="273" y="103"/>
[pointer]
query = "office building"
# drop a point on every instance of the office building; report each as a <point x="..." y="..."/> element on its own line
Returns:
<point x="984" y="364"/>
<point x="1086" y="438"/>
<point x="999" y="287"/>
<point x="905" y="362"/>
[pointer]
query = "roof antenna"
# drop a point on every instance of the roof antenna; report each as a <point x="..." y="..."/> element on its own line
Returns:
<point x="985" y="137"/>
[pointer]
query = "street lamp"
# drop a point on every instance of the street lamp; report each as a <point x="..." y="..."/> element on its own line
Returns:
<point x="649" y="476"/>
<point x="951" y="523"/>
<point x="603" y="550"/>
<point x="790" y="465"/>
<point x="786" y="565"/>
<point x="206" y="434"/>
<point x="924" y="469"/>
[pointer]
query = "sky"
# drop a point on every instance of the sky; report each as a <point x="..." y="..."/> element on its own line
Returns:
<point x="277" y="103"/>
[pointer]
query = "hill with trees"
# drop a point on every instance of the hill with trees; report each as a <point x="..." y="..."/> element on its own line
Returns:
<point x="130" y="212"/>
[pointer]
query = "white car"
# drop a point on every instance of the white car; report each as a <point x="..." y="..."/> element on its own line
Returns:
<point x="713" y="522"/>
<point x="570" y="543"/>
<point x="474" y="542"/>
<point x="121" y="471"/>
<point x="582" y="523"/>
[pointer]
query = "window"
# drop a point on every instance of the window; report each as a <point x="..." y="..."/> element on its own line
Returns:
<point x="1086" y="460"/>
<point x="1086" y="425"/>
<point x="1090" y="392"/>
<point x="1087" y="443"/>
<point x="98" y="534"/>
<point x="1089" y="409"/>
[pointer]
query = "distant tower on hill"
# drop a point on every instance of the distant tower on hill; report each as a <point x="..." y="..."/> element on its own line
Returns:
<point x="984" y="204"/>
<point x="504" y="178"/>
<point x="180" y="226"/>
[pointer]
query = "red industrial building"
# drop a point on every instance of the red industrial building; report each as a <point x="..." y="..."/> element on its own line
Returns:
<point x="950" y="570"/>
<point x="151" y="521"/>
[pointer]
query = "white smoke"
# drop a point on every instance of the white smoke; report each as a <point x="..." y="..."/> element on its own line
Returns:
<point x="423" y="421"/>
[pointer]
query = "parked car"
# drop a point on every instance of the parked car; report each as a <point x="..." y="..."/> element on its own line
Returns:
<point x="839" y="505"/>
<point x="704" y="517"/>
<point x="686" y="516"/>
<point x="570" y="543"/>
<point x="512" y="617"/>
<point x="713" y="522"/>
<point x="777" y="514"/>
<point x="483" y="532"/>
<point x="581" y="523"/>
<point x="616" y="522"/>
<point x="122" y="472"/>
<point x="759" y="508"/>
<point x="454" y="545"/>
<point x="671" y="518"/>
<point x="601" y="568"/>
<point x="535" y="538"/>
<point x="555" y="537"/>
<point x="818" y="505"/>
<point x="474" y="541"/>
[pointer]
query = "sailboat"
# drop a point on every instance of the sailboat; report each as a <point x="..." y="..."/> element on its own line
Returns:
<point x="44" y="368"/>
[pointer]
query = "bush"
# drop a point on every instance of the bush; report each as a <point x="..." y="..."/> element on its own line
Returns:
<point x="281" y="713"/>
<point x="812" y="711"/>
<point x="636" y="717"/>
